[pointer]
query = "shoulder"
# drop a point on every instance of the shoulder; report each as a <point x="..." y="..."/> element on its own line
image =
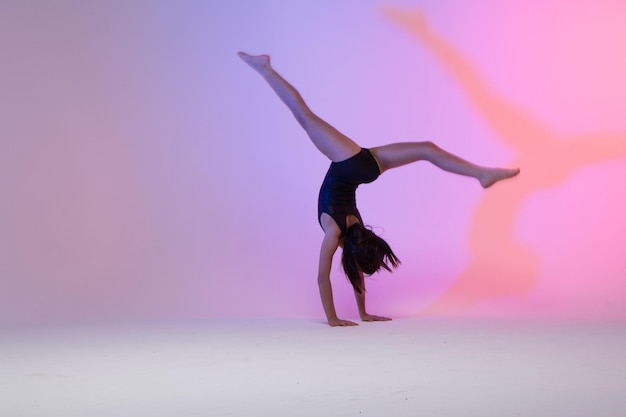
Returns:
<point x="332" y="234"/>
<point x="330" y="226"/>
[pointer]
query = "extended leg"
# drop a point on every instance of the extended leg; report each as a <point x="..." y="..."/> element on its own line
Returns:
<point x="326" y="138"/>
<point x="398" y="154"/>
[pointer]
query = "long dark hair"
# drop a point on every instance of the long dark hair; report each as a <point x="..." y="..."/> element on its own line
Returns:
<point x="364" y="251"/>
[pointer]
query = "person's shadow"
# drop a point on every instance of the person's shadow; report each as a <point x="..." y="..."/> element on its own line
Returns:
<point x="500" y="266"/>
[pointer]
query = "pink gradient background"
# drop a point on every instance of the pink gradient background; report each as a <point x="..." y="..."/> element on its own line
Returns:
<point x="148" y="174"/>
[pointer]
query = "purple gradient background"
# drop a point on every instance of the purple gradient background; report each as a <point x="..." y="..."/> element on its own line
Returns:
<point x="148" y="174"/>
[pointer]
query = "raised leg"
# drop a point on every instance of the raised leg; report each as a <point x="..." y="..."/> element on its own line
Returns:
<point x="398" y="154"/>
<point x="332" y="143"/>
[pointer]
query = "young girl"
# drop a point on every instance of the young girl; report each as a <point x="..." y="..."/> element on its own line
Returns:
<point x="363" y="251"/>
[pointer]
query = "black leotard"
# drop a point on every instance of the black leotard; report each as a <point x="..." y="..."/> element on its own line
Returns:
<point x="338" y="193"/>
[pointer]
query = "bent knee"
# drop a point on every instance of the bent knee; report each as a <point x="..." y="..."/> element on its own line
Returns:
<point x="429" y="145"/>
<point x="429" y="149"/>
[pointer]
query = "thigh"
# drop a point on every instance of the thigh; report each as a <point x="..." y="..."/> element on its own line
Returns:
<point x="397" y="154"/>
<point x="332" y="143"/>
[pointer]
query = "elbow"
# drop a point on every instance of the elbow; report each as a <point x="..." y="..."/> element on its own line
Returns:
<point x="323" y="280"/>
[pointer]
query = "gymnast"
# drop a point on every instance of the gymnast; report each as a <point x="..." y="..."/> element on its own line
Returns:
<point x="363" y="252"/>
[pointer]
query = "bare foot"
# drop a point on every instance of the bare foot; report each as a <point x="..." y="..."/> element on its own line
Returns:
<point x="257" y="62"/>
<point x="493" y="175"/>
<point x="371" y="317"/>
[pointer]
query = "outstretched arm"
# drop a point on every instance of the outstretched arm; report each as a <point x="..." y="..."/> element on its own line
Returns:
<point x="329" y="246"/>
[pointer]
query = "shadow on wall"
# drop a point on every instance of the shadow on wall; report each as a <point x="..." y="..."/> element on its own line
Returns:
<point x="499" y="265"/>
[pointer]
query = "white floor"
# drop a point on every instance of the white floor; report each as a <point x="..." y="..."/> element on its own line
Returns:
<point x="407" y="367"/>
